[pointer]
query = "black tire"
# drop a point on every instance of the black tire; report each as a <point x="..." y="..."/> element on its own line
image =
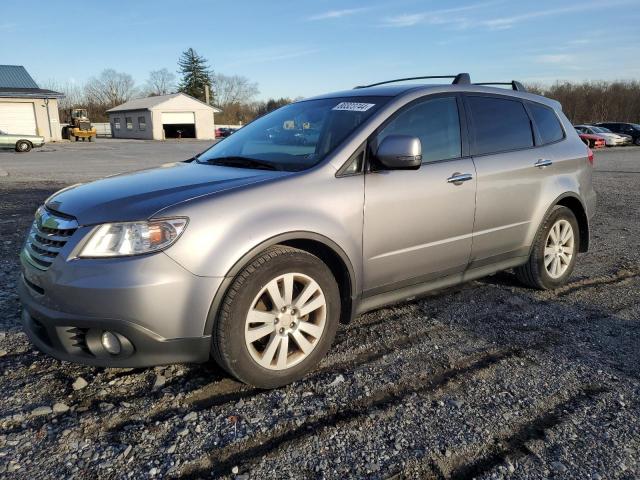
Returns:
<point x="228" y="346"/>
<point x="533" y="273"/>
<point x="637" y="141"/>
<point x="23" y="146"/>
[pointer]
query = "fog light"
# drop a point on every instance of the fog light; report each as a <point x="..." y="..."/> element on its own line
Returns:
<point x="111" y="343"/>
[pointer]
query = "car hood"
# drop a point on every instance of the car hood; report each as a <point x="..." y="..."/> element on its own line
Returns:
<point x="139" y="195"/>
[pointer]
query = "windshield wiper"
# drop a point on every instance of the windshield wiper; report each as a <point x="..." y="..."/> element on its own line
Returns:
<point x="242" y="162"/>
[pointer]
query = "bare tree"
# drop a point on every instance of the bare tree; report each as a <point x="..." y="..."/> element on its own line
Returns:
<point x="596" y="101"/>
<point x="110" y="89"/>
<point x="160" y="82"/>
<point x="73" y="93"/>
<point x="233" y="89"/>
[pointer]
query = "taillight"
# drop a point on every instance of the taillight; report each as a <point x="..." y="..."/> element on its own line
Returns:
<point x="590" y="155"/>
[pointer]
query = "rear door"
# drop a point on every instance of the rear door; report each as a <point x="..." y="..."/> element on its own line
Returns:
<point x="510" y="175"/>
<point x="418" y="223"/>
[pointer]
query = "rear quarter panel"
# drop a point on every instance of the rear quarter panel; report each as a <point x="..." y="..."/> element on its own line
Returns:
<point x="570" y="174"/>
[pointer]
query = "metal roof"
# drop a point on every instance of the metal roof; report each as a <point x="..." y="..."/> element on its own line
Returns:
<point x="149" y="103"/>
<point x="29" y="93"/>
<point x="15" y="82"/>
<point x="15" y="76"/>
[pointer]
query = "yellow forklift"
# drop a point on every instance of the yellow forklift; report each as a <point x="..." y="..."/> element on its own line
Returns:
<point x="79" y="126"/>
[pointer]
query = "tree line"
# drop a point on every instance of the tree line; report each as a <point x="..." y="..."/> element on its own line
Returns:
<point x="584" y="102"/>
<point x="595" y="101"/>
<point x="233" y="94"/>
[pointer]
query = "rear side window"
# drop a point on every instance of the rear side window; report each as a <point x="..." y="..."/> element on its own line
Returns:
<point x="547" y="122"/>
<point x="435" y="122"/>
<point x="499" y="125"/>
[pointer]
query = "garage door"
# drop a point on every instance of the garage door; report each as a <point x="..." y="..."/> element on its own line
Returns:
<point x="182" y="118"/>
<point x="17" y="118"/>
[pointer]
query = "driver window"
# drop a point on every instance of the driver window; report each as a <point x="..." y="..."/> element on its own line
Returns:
<point x="435" y="122"/>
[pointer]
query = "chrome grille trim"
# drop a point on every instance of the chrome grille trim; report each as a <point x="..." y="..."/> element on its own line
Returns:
<point x="49" y="234"/>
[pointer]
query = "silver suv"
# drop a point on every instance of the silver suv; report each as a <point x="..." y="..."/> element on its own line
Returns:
<point x="253" y="251"/>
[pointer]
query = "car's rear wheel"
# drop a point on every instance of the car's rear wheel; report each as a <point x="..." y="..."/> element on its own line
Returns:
<point x="23" y="146"/>
<point x="553" y="256"/>
<point x="278" y="318"/>
<point x="637" y="141"/>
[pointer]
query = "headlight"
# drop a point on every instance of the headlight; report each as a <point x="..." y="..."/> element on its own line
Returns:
<point x="132" y="238"/>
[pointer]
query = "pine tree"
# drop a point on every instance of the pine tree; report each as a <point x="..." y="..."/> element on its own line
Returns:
<point x="196" y="75"/>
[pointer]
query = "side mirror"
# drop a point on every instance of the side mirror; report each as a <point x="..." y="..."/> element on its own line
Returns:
<point x="400" y="152"/>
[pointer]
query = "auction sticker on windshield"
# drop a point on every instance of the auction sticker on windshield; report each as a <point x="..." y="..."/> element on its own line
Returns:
<point x="354" y="106"/>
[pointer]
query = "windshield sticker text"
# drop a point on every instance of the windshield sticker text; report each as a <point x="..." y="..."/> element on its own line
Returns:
<point x="354" y="106"/>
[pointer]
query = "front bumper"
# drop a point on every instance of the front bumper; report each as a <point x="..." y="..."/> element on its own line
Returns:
<point x="75" y="339"/>
<point x="155" y="305"/>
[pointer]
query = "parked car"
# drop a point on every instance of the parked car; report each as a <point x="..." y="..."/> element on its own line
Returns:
<point x="611" y="139"/>
<point x="254" y="251"/>
<point x="223" y="132"/>
<point x="631" y="129"/>
<point x="592" y="141"/>
<point x="20" y="143"/>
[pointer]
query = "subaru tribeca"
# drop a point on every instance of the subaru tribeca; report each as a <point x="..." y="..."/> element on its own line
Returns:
<point x="253" y="251"/>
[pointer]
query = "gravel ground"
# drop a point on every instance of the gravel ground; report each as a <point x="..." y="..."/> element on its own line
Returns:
<point x="485" y="380"/>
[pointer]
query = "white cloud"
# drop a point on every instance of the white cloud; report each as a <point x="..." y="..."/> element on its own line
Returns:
<point x="7" y="27"/>
<point x="270" y="54"/>
<point x="558" y="58"/>
<point x="404" y="20"/>
<point x="579" y="41"/>
<point x="435" y="17"/>
<point x="331" y="14"/>
<point x="502" y="23"/>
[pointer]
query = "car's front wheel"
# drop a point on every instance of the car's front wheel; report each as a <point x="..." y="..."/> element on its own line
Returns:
<point x="553" y="256"/>
<point x="278" y="318"/>
<point x="23" y="146"/>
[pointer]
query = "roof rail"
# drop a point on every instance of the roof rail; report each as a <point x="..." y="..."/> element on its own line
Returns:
<point x="459" y="79"/>
<point x="515" y="85"/>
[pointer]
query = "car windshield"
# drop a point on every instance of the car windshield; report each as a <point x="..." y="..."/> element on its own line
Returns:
<point x="601" y="130"/>
<point x="295" y="137"/>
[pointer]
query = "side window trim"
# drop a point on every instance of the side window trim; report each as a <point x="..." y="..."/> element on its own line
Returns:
<point x="464" y="141"/>
<point x="538" y="137"/>
<point x="469" y="118"/>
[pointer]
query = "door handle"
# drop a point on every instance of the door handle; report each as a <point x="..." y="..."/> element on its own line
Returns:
<point x="543" y="163"/>
<point x="457" y="178"/>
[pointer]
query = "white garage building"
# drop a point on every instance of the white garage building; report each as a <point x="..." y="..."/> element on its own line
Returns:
<point x="166" y="116"/>
<point x="26" y="108"/>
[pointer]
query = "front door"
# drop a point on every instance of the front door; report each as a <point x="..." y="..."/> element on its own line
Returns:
<point x="418" y="224"/>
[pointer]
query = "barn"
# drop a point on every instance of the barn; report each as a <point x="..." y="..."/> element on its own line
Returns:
<point x="165" y="116"/>
<point x="26" y="108"/>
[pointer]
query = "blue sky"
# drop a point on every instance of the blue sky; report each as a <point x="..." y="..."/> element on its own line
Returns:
<point x="303" y="48"/>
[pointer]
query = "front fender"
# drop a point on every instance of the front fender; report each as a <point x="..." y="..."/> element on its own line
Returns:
<point x="225" y="228"/>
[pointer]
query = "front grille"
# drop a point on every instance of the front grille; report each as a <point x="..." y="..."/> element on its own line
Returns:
<point x="49" y="233"/>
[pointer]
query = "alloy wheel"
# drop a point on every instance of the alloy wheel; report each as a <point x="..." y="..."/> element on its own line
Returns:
<point x="285" y="321"/>
<point x="559" y="248"/>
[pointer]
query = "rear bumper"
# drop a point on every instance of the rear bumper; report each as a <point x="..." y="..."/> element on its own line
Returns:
<point x="76" y="339"/>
